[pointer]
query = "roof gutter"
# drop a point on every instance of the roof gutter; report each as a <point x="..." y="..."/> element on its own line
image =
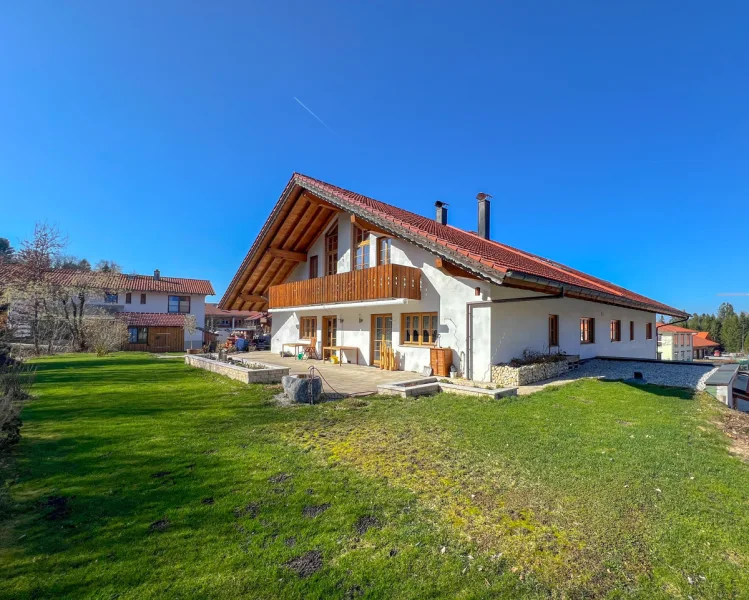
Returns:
<point x="587" y="294"/>
<point x="469" y="320"/>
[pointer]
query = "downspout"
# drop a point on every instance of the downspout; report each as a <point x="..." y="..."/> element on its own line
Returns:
<point x="469" y="321"/>
<point x="657" y="327"/>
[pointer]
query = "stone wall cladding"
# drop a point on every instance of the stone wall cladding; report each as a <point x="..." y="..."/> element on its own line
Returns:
<point x="507" y="376"/>
<point x="271" y="374"/>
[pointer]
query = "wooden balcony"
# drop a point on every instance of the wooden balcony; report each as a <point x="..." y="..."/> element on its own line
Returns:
<point x="376" y="283"/>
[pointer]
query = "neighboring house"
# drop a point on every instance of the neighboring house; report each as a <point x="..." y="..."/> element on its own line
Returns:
<point x="154" y="306"/>
<point x="357" y="273"/>
<point x="702" y="345"/>
<point x="223" y="322"/>
<point x="674" y="342"/>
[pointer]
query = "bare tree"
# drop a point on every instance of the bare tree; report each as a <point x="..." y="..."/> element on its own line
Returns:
<point x="105" y="334"/>
<point x="108" y="266"/>
<point x="191" y="326"/>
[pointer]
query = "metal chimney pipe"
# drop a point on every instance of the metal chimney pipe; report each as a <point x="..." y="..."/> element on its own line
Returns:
<point x="441" y="217"/>
<point x="484" y="215"/>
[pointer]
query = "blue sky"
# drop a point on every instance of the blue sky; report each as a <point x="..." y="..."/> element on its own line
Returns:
<point x="614" y="137"/>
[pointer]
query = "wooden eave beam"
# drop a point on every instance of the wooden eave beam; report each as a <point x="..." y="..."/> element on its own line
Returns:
<point x="314" y="200"/>
<point x="252" y="298"/>
<point x="362" y="224"/>
<point x="454" y="270"/>
<point x="287" y="254"/>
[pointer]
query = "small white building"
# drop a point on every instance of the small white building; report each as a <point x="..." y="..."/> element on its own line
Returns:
<point x="675" y="343"/>
<point x="354" y="275"/>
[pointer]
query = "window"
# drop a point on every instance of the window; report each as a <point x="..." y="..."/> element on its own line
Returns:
<point x="689" y="340"/>
<point x="631" y="331"/>
<point x="225" y="322"/>
<point x="307" y="328"/>
<point x="660" y="338"/>
<point x="128" y="298"/>
<point x="384" y="245"/>
<point x="142" y="298"/>
<point x="419" y="329"/>
<point x="681" y="339"/>
<point x="649" y="332"/>
<point x="313" y="272"/>
<point x="331" y="251"/>
<point x="137" y="335"/>
<point x="616" y="331"/>
<point x="587" y="330"/>
<point x="179" y="304"/>
<point x="553" y="330"/>
<point x="361" y="249"/>
<point x="110" y="298"/>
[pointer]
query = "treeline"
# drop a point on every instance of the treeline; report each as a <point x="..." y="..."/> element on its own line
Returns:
<point x="729" y="328"/>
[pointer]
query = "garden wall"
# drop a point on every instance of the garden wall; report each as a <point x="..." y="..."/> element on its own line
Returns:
<point x="267" y="374"/>
<point x="508" y="376"/>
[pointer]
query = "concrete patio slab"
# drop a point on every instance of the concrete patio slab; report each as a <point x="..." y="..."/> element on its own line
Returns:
<point x="347" y="379"/>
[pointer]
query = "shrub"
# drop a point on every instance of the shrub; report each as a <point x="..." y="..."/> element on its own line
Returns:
<point x="532" y="357"/>
<point x="105" y="334"/>
<point x="16" y="379"/>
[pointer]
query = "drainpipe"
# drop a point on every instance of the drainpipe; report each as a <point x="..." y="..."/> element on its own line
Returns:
<point x="469" y="321"/>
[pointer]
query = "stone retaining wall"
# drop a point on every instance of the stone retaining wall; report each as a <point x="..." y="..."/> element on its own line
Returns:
<point x="270" y="374"/>
<point x="508" y="376"/>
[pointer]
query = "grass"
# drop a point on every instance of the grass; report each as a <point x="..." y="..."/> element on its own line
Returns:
<point x="138" y="477"/>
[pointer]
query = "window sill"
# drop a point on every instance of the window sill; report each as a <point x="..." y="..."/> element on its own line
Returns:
<point x="586" y="343"/>
<point x="412" y="345"/>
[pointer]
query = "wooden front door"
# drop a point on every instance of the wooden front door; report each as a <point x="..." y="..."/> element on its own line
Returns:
<point x="382" y="329"/>
<point x="329" y="333"/>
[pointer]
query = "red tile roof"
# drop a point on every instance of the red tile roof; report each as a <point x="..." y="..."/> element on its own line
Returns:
<point x="674" y="329"/>
<point x="498" y="257"/>
<point x="701" y="342"/>
<point x="115" y="281"/>
<point x="212" y="310"/>
<point x="138" y="319"/>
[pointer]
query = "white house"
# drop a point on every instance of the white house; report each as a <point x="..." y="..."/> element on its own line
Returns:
<point x="353" y="273"/>
<point x="153" y="306"/>
<point x="674" y="342"/>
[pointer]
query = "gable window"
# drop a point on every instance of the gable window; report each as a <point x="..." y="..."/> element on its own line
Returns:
<point x="384" y="246"/>
<point x="313" y="272"/>
<point x="587" y="330"/>
<point x="142" y="298"/>
<point x="307" y="328"/>
<point x="649" y="332"/>
<point x="631" y="331"/>
<point x="419" y="329"/>
<point x="361" y="249"/>
<point x="110" y="298"/>
<point x="553" y="330"/>
<point x="137" y="335"/>
<point x="331" y="251"/>
<point x="616" y="331"/>
<point x="179" y="304"/>
<point x="128" y="298"/>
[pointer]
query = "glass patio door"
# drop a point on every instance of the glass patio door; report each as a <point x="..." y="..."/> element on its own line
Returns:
<point x="382" y="328"/>
<point x="329" y="333"/>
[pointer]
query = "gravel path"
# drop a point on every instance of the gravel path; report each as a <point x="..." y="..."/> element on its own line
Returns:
<point x="669" y="374"/>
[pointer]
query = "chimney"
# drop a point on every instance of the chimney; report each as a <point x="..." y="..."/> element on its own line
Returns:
<point x="441" y="212"/>
<point x="484" y="215"/>
<point x="157" y="274"/>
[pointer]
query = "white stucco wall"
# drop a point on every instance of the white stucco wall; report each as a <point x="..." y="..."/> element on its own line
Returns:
<point x="500" y="332"/>
<point x="158" y="302"/>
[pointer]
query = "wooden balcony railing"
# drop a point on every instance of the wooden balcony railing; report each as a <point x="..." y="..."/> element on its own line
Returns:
<point x="376" y="283"/>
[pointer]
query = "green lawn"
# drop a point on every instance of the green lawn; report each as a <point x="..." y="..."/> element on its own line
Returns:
<point x="140" y="478"/>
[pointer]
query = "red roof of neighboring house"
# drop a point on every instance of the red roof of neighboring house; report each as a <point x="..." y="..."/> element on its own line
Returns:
<point x="704" y="335"/>
<point x="701" y="342"/>
<point x="212" y="310"/>
<point x="115" y="281"/>
<point x="138" y="319"/>
<point x="674" y="329"/>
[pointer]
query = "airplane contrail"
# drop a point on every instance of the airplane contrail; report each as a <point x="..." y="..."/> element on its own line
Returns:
<point x="314" y="115"/>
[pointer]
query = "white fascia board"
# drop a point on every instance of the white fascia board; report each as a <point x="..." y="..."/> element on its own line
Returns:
<point x="340" y="305"/>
